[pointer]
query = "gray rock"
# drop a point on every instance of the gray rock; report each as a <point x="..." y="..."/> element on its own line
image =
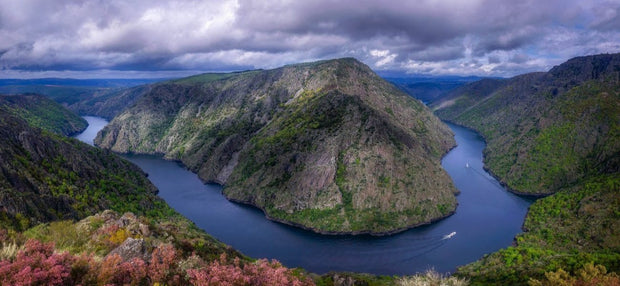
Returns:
<point x="132" y="248"/>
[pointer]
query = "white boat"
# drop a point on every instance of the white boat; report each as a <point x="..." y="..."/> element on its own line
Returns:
<point x="447" y="236"/>
<point x="466" y="165"/>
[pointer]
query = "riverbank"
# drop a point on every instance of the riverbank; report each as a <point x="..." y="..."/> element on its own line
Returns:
<point x="487" y="219"/>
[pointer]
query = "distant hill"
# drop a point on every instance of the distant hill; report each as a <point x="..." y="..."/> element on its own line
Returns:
<point x="328" y="146"/>
<point x="430" y="89"/>
<point x="42" y="112"/>
<point x="555" y="132"/>
<point x="82" y="96"/>
<point x="76" y="82"/>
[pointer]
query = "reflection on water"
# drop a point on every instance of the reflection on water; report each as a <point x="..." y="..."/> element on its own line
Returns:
<point x="94" y="125"/>
<point x="487" y="219"/>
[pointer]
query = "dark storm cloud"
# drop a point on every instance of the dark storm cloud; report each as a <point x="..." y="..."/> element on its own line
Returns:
<point x="483" y="37"/>
<point x="508" y="40"/>
<point x="609" y="18"/>
<point x="356" y="20"/>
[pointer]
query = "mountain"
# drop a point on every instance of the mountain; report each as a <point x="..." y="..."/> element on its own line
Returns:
<point x="554" y="133"/>
<point x="430" y="89"/>
<point x="100" y="97"/>
<point x="327" y="146"/>
<point x="70" y="82"/>
<point x="45" y="176"/>
<point x="44" y="113"/>
<point x="108" y="103"/>
<point x="466" y="95"/>
<point x="545" y="131"/>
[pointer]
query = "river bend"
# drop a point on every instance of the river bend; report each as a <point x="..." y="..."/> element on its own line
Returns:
<point x="486" y="219"/>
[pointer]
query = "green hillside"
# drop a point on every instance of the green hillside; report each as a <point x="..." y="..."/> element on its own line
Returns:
<point x="42" y="112"/>
<point x="557" y="134"/>
<point x="46" y="177"/>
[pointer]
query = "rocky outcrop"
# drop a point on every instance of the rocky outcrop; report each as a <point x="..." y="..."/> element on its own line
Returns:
<point x="328" y="146"/>
<point x="132" y="248"/>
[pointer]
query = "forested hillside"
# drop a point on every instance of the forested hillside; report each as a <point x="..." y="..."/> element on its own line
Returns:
<point x="552" y="133"/>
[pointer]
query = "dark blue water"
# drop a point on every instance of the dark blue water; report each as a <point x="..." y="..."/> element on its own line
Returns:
<point x="487" y="219"/>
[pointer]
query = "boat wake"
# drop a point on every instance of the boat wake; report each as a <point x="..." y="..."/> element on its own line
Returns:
<point x="448" y="236"/>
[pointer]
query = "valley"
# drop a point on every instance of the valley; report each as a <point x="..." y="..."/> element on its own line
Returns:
<point x="301" y="143"/>
<point x="551" y="135"/>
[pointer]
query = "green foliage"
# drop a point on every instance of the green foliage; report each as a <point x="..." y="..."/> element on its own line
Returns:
<point x="539" y="145"/>
<point x="384" y="181"/>
<point x="43" y="113"/>
<point x="331" y="220"/>
<point x="337" y="278"/>
<point x="555" y="133"/>
<point x="65" y="234"/>
<point x="62" y="178"/>
<point x="590" y="274"/>
<point x="566" y="230"/>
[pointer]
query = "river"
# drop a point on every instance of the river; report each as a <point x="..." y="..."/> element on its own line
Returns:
<point x="487" y="219"/>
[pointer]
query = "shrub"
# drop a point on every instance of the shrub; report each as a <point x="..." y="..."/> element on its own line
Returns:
<point x="261" y="272"/>
<point x="590" y="274"/>
<point x="163" y="264"/>
<point x="114" y="271"/>
<point x="37" y="264"/>
<point x="8" y="251"/>
<point x="431" y="278"/>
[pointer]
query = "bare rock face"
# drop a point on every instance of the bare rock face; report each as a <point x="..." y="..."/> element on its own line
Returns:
<point x="132" y="248"/>
<point x="328" y="146"/>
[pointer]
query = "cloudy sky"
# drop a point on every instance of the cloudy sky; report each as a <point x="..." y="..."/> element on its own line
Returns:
<point x="155" y="38"/>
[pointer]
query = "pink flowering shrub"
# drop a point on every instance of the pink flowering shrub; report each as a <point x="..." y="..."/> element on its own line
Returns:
<point x="135" y="270"/>
<point x="163" y="266"/>
<point x="219" y="273"/>
<point x="116" y="272"/>
<point x="262" y="272"/>
<point x="37" y="264"/>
